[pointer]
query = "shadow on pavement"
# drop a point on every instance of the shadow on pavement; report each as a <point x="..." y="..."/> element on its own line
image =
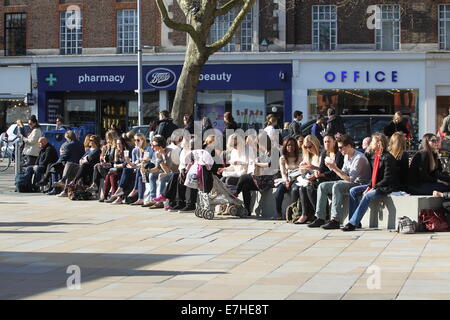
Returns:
<point x="36" y="224"/>
<point x="25" y="274"/>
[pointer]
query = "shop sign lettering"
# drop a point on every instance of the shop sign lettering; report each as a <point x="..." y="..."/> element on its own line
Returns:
<point x="361" y="76"/>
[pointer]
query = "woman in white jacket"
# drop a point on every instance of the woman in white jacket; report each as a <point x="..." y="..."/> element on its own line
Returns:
<point x="31" y="149"/>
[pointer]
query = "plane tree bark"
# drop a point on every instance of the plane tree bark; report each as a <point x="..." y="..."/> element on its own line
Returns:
<point x="200" y="16"/>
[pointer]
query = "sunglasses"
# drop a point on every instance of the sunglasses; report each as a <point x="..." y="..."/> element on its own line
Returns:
<point x="434" y="140"/>
<point x="138" y="140"/>
<point x="308" y="147"/>
<point x="340" y="147"/>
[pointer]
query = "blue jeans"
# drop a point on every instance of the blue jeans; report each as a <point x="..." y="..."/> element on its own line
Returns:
<point x="358" y="208"/>
<point x="162" y="184"/>
<point x="152" y="179"/>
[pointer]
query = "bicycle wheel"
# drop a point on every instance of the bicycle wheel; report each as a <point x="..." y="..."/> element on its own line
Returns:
<point x="5" y="160"/>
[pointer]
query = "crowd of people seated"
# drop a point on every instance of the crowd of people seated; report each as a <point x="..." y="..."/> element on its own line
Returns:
<point x="149" y="171"/>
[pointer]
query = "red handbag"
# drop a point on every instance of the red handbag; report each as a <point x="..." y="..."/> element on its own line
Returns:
<point x="433" y="220"/>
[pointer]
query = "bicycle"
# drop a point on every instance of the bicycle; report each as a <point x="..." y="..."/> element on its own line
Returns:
<point x="6" y="154"/>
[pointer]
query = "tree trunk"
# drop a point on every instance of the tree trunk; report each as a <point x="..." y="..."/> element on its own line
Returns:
<point x="188" y="82"/>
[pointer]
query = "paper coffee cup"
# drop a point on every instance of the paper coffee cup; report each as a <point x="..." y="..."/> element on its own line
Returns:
<point x="126" y="153"/>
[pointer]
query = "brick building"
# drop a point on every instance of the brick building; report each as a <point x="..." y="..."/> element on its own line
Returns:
<point x="310" y="55"/>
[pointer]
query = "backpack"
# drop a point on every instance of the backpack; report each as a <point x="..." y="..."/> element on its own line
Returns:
<point x="406" y="225"/>
<point x="167" y="128"/>
<point x="23" y="181"/>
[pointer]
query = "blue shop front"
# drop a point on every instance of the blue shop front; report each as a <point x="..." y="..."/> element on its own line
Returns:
<point x="98" y="97"/>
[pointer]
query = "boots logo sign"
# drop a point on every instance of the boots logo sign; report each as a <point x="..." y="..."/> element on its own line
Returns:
<point x="161" y="78"/>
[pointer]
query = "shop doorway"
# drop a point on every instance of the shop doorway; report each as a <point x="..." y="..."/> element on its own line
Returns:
<point x="113" y="113"/>
<point x="442" y="106"/>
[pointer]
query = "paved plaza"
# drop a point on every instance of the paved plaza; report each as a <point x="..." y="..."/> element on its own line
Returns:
<point x="126" y="252"/>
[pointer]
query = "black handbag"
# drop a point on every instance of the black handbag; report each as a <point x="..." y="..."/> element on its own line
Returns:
<point x="264" y="183"/>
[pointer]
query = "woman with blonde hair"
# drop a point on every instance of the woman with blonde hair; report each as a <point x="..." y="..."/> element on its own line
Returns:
<point x="270" y="129"/>
<point x="310" y="163"/>
<point x="131" y="170"/>
<point x="396" y="125"/>
<point x="397" y="148"/>
<point x="384" y="179"/>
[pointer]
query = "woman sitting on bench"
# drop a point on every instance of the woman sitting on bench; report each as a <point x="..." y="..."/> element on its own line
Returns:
<point x="384" y="177"/>
<point x="425" y="172"/>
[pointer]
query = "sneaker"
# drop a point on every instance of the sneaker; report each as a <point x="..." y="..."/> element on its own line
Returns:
<point x="177" y="208"/>
<point x="160" y="198"/>
<point x="187" y="209"/>
<point x="53" y="192"/>
<point x="349" y="227"/>
<point x="62" y="195"/>
<point x="317" y="223"/>
<point x="158" y="205"/>
<point x="332" y="224"/>
<point x="168" y="208"/>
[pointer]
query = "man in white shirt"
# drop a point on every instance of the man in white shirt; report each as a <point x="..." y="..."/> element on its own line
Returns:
<point x="355" y="171"/>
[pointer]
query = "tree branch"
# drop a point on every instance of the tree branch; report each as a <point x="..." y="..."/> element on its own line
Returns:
<point x="227" y="7"/>
<point x="179" y="26"/>
<point x="219" y="44"/>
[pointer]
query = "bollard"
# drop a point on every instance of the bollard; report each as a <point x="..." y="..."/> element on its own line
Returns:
<point x="18" y="157"/>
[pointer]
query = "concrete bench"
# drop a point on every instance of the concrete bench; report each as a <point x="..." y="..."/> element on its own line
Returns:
<point x="263" y="203"/>
<point x="384" y="213"/>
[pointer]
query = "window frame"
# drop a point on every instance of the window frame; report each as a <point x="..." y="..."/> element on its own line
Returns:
<point x="442" y="24"/>
<point x="22" y="31"/>
<point x="396" y="23"/>
<point x="125" y="29"/>
<point x="67" y="36"/>
<point x="315" y="27"/>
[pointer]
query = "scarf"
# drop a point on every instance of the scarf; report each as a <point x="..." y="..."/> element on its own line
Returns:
<point x="376" y="165"/>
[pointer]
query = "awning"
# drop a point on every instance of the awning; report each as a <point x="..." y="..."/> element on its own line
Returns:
<point x="15" y="82"/>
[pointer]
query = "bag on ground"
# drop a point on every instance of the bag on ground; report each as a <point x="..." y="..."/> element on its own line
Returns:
<point x="23" y="181"/>
<point x="433" y="220"/>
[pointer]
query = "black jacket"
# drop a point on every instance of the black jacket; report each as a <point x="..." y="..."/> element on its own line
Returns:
<point x="294" y="128"/>
<point x="402" y="167"/>
<point x="393" y="127"/>
<point x="330" y="175"/>
<point x="419" y="170"/>
<point x="387" y="176"/>
<point x="166" y="127"/>
<point x="47" y="155"/>
<point x="335" y="125"/>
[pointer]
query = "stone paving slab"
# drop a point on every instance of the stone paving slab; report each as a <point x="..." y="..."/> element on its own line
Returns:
<point x="126" y="252"/>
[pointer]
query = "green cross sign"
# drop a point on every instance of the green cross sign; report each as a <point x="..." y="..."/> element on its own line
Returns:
<point x="51" y="80"/>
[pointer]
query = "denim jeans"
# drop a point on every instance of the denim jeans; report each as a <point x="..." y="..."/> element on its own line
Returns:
<point x="358" y="208"/>
<point x="338" y="189"/>
<point x="162" y="183"/>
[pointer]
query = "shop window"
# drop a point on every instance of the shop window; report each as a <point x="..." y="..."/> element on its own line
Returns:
<point x="243" y="38"/>
<point x="15" y="34"/>
<point x="81" y="113"/>
<point x="275" y="104"/>
<point x="127" y="31"/>
<point x="248" y="107"/>
<point x="324" y="28"/>
<point x="365" y="103"/>
<point x="387" y="36"/>
<point x="71" y="32"/>
<point x="444" y="27"/>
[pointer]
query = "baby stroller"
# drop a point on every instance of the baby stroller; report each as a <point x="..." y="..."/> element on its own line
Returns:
<point x="219" y="200"/>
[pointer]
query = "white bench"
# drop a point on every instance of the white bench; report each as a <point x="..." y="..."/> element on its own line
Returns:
<point x="382" y="214"/>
